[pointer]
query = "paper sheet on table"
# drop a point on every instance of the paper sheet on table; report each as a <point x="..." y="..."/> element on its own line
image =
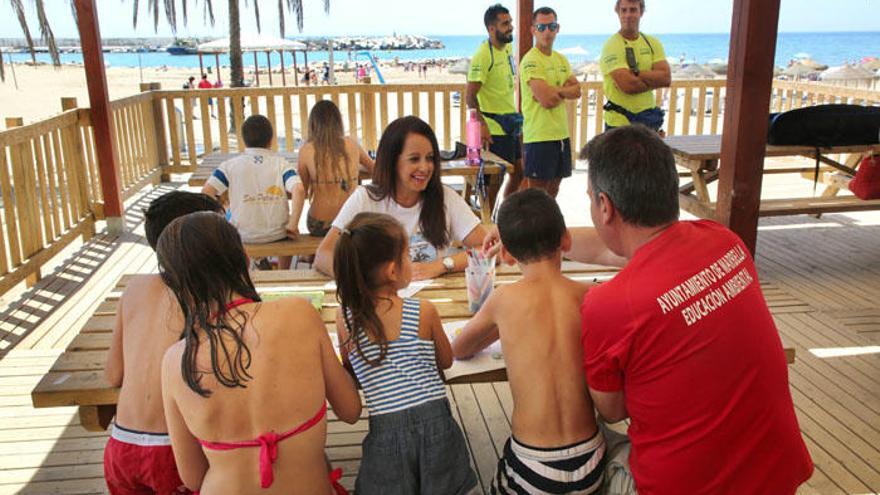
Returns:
<point x="414" y="287"/>
<point x="489" y="359"/>
<point x="316" y="297"/>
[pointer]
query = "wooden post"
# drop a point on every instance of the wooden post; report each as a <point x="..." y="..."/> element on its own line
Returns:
<point x="524" y="9"/>
<point x="96" y="80"/>
<point x="295" y="70"/>
<point x="306" y="65"/>
<point x="744" y="140"/>
<point x="201" y="66"/>
<point x="27" y="237"/>
<point x="257" y="68"/>
<point x="269" y="65"/>
<point x="283" y="77"/>
<point x="217" y="63"/>
<point x="159" y="126"/>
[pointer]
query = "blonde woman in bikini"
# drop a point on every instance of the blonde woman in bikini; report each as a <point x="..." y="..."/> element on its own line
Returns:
<point x="329" y="163"/>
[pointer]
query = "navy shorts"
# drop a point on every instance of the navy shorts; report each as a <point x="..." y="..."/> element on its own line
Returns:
<point x="420" y="449"/>
<point x="507" y="147"/>
<point x="547" y="160"/>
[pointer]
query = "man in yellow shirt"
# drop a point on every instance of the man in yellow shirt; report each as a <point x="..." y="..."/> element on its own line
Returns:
<point x="546" y="81"/>
<point x="633" y="64"/>
<point x="490" y="91"/>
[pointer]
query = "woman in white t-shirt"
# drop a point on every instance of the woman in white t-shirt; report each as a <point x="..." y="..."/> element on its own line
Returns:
<point x="406" y="185"/>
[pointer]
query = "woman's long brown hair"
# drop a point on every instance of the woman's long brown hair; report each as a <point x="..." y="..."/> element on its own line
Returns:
<point x="202" y="261"/>
<point x="365" y="245"/>
<point x="328" y="137"/>
<point x="432" y="219"/>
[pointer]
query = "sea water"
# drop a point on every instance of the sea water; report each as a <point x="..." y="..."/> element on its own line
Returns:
<point x="828" y="48"/>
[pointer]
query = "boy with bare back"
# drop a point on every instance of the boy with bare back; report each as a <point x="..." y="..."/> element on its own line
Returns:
<point x="138" y="457"/>
<point x="556" y="446"/>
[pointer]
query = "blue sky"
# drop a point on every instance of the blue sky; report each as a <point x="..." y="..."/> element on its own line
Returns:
<point x="455" y="17"/>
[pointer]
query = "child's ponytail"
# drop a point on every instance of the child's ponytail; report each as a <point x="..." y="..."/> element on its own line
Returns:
<point x="369" y="241"/>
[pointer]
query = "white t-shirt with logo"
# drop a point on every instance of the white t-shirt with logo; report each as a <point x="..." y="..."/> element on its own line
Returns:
<point x="460" y="220"/>
<point x="258" y="181"/>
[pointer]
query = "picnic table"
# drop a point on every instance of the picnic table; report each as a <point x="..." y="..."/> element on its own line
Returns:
<point x="700" y="155"/>
<point x="494" y="168"/>
<point x="77" y="377"/>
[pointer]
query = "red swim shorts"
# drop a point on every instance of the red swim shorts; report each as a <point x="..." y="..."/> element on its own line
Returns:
<point x="134" y="468"/>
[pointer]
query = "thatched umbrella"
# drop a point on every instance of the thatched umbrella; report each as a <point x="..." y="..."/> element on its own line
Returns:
<point x="799" y="70"/>
<point x="717" y="65"/>
<point x="692" y="71"/>
<point x="846" y="74"/>
<point x="808" y="62"/>
<point x="460" y="67"/>
<point x="870" y="63"/>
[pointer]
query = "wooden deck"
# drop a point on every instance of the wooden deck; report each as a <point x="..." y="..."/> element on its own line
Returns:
<point x="821" y="277"/>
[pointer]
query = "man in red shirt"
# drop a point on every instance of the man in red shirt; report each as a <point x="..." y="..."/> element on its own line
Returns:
<point x="681" y="341"/>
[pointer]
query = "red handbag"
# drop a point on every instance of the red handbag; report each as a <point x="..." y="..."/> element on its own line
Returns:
<point x="866" y="183"/>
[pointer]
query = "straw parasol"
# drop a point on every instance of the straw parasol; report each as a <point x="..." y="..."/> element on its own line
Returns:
<point x="588" y="68"/>
<point x="808" y="62"/>
<point x="870" y="63"/>
<point x="799" y="70"/>
<point x="846" y="73"/>
<point x="692" y="71"/>
<point x="460" y="67"/>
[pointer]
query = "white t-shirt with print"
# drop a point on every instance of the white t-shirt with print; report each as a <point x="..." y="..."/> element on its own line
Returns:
<point x="258" y="181"/>
<point x="460" y="220"/>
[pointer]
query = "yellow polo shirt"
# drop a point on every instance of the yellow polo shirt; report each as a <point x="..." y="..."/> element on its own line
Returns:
<point x="494" y="69"/>
<point x="539" y="123"/>
<point x="614" y="57"/>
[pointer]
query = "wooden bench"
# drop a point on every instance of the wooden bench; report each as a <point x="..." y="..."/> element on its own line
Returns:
<point x="303" y="245"/>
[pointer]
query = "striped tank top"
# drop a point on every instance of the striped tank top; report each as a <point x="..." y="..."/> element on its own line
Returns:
<point x="407" y="376"/>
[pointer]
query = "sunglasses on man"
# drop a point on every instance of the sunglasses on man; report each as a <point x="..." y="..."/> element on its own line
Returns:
<point x="552" y="26"/>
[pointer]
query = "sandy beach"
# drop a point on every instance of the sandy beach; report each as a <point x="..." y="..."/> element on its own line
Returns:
<point x="40" y="88"/>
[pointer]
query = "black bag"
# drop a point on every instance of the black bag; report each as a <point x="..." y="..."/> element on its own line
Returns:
<point x="825" y="125"/>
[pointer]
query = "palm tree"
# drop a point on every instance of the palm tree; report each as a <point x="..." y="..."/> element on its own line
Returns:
<point x="170" y="11"/>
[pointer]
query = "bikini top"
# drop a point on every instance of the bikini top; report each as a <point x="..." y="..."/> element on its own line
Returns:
<point x="268" y="442"/>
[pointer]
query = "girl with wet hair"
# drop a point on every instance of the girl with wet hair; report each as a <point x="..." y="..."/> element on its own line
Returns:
<point x="245" y="390"/>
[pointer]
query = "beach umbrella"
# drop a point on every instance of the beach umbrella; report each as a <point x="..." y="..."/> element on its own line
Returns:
<point x="846" y="73"/>
<point x="870" y="63"/>
<point x="717" y="65"/>
<point x="692" y="71"/>
<point x="252" y="43"/>
<point x="460" y="67"/>
<point x="588" y="69"/>
<point x="574" y="50"/>
<point x="808" y="62"/>
<point x="799" y="70"/>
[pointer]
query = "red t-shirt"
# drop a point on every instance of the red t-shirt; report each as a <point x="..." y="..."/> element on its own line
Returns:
<point x="205" y="84"/>
<point x="684" y="331"/>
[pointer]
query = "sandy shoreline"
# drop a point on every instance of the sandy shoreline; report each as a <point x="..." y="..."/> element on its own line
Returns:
<point x="40" y="88"/>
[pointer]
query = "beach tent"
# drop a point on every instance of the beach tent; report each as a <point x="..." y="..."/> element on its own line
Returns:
<point x="847" y="74"/>
<point x="692" y="71"/>
<point x="799" y="70"/>
<point x="257" y="43"/>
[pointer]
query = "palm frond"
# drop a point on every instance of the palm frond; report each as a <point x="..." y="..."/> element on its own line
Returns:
<point x="209" y="12"/>
<point x="18" y="8"/>
<point x="326" y="6"/>
<point x="183" y="10"/>
<point x="257" y="14"/>
<point x="46" y="32"/>
<point x="281" y="18"/>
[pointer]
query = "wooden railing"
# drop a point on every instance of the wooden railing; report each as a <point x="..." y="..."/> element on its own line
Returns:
<point x="137" y="146"/>
<point x="366" y="110"/>
<point x="46" y="194"/>
<point x="191" y="126"/>
<point x="50" y="181"/>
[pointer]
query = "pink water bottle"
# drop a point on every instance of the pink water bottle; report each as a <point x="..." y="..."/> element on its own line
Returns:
<point x="474" y="141"/>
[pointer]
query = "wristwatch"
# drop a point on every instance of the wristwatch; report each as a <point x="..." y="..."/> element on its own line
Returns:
<point x="635" y="72"/>
<point x="448" y="264"/>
